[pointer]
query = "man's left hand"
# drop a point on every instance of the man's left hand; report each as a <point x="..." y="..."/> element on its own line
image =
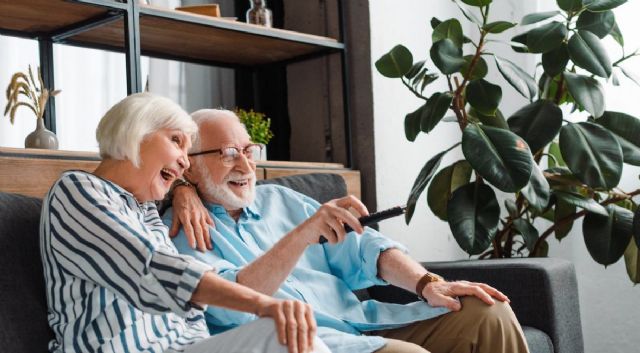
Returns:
<point x="443" y="293"/>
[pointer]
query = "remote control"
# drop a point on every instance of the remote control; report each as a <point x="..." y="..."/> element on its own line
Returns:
<point x="372" y="219"/>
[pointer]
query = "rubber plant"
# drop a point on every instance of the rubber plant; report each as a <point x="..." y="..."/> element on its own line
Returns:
<point x="584" y="159"/>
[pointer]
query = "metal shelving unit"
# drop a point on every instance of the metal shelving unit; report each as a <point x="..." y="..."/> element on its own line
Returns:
<point x="137" y="30"/>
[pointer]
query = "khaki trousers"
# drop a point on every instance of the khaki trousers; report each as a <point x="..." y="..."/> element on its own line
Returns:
<point x="477" y="328"/>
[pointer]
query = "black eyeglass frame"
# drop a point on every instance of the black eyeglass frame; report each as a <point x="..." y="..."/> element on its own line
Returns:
<point x="219" y="150"/>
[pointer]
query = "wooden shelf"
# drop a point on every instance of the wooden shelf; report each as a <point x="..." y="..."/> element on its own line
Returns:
<point x="164" y="33"/>
<point x="33" y="18"/>
<point x="31" y="171"/>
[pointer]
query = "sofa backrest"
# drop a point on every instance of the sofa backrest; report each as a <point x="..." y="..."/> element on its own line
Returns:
<point x="23" y="307"/>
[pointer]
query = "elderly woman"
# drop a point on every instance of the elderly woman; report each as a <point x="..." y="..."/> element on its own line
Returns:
<point x="115" y="282"/>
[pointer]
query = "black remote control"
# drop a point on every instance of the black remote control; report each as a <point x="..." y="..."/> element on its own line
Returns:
<point x="372" y="219"/>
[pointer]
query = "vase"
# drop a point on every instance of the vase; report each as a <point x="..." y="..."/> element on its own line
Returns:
<point x="41" y="137"/>
<point x="259" y="14"/>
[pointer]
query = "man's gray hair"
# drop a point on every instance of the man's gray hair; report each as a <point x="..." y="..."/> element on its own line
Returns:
<point x="123" y="128"/>
<point x="206" y="115"/>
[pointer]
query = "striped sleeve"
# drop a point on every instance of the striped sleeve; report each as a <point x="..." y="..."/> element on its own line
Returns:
<point x="99" y="239"/>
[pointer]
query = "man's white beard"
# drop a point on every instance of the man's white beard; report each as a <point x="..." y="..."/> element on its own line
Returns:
<point x="222" y="194"/>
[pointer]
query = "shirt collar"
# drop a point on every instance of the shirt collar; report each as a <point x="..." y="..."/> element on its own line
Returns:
<point x="218" y="210"/>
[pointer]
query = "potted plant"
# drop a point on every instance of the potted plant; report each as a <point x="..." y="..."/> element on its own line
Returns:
<point x="584" y="160"/>
<point x="34" y="96"/>
<point x="258" y="127"/>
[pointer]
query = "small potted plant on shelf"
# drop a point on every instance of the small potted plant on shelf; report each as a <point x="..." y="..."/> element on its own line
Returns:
<point x="35" y="98"/>
<point x="258" y="128"/>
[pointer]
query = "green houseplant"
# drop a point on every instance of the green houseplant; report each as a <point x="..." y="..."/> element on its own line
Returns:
<point x="258" y="126"/>
<point x="584" y="160"/>
<point x="24" y="91"/>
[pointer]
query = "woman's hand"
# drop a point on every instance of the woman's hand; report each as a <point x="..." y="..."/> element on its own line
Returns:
<point x="190" y="213"/>
<point x="294" y="321"/>
<point x="330" y="219"/>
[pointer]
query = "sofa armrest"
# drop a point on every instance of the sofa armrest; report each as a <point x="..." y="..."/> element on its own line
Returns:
<point x="543" y="293"/>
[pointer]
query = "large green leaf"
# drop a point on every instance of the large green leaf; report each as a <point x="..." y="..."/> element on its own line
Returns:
<point x="556" y="160"/>
<point x="528" y="231"/>
<point x="592" y="153"/>
<point x="555" y="61"/>
<point x="578" y="200"/>
<point x="434" y="110"/>
<point x="546" y="37"/>
<point x="537" y="123"/>
<point x="498" y="155"/>
<point x="412" y="124"/>
<point x="477" y="3"/>
<point x="480" y="68"/>
<point x="598" y="23"/>
<point x="607" y="237"/>
<point x="627" y="129"/>
<point x="587" y="91"/>
<point x="449" y="29"/>
<point x="617" y="35"/>
<point x="422" y="180"/>
<point x="496" y="120"/>
<point x="517" y="78"/>
<point x="562" y="211"/>
<point x="636" y="226"/>
<point x="570" y="5"/>
<point x="473" y="213"/>
<point x="415" y="69"/>
<point x="444" y="184"/>
<point x="586" y="51"/>
<point x="519" y="43"/>
<point x="396" y="62"/>
<point x="484" y="96"/>
<point x="537" y="192"/>
<point x="447" y="56"/>
<point x="537" y="17"/>
<point x="632" y="262"/>
<point x="498" y="26"/>
<point x="603" y="5"/>
<point x="469" y="14"/>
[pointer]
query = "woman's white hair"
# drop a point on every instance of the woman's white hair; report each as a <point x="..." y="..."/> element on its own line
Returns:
<point x="205" y="115"/>
<point x="123" y="128"/>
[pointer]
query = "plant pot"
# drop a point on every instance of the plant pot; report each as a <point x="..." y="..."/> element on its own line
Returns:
<point x="263" y="153"/>
<point x="41" y="137"/>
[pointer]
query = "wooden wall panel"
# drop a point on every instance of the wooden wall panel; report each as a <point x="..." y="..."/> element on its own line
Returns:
<point x="34" y="177"/>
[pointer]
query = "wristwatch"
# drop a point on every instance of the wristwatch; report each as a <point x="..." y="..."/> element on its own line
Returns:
<point x="426" y="279"/>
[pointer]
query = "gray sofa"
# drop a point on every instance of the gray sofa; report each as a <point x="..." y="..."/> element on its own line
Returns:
<point x="543" y="292"/>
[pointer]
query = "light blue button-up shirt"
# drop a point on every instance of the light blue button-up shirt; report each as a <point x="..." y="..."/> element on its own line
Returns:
<point x="325" y="276"/>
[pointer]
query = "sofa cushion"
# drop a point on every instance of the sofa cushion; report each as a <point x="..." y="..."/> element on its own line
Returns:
<point x="23" y="307"/>
<point x="321" y="187"/>
<point x="538" y="341"/>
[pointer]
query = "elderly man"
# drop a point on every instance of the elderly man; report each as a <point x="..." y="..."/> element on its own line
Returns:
<point x="266" y="238"/>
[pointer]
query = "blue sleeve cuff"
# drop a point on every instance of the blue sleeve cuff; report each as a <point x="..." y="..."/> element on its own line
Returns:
<point x="221" y="317"/>
<point x="373" y="244"/>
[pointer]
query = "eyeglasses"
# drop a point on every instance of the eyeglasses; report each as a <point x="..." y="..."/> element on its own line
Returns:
<point x="229" y="154"/>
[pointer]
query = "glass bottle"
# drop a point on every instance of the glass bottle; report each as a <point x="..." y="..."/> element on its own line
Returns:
<point x="259" y="14"/>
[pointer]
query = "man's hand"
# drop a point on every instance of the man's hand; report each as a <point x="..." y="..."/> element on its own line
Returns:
<point x="190" y="213"/>
<point x="294" y="321"/>
<point x="330" y="218"/>
<point x="442" y="293"/>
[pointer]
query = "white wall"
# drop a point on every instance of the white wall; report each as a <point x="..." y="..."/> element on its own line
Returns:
<point x="609" y="303"/>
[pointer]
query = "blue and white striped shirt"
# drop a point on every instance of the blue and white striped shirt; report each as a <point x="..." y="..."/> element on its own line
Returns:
<point x="114" y="280"/>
